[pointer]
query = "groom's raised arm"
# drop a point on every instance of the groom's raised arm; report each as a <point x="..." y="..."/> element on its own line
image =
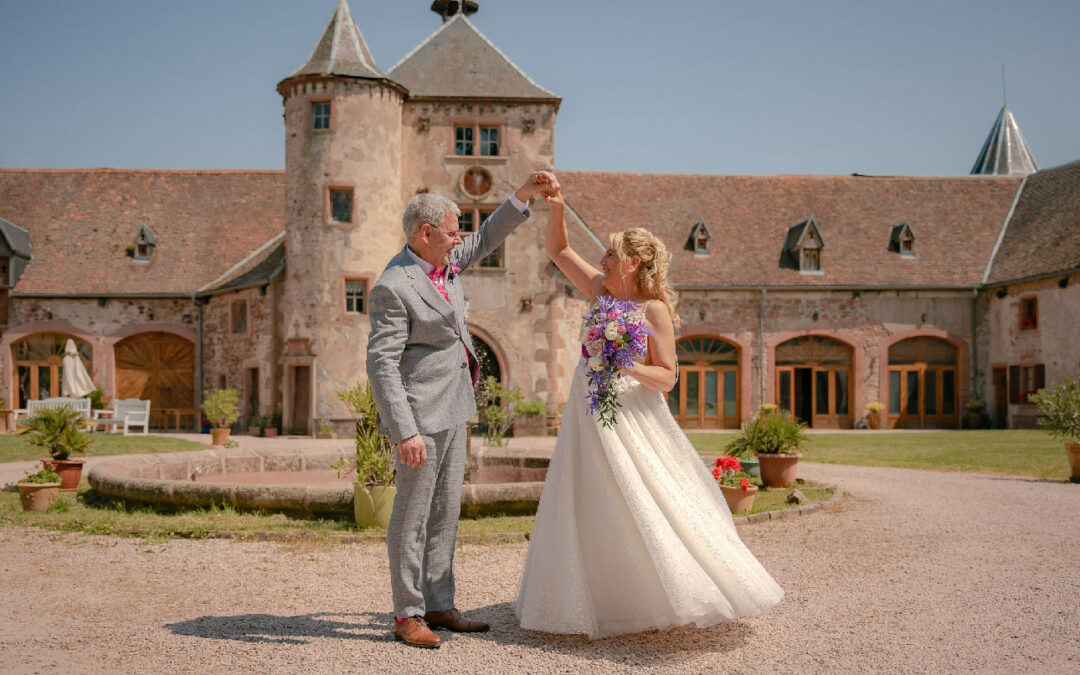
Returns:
<point x="389" y="332"/>
<point x="513" y="212"/>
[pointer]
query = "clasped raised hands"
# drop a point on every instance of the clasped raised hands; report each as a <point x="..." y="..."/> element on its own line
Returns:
<point x="538" y="182"/>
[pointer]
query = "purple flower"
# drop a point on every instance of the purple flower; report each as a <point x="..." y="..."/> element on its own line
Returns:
<point x="453" y="269"/>
<point x="630" y="344"/>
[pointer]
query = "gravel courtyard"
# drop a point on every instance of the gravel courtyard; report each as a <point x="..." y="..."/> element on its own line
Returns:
<point x="917" y="572"/>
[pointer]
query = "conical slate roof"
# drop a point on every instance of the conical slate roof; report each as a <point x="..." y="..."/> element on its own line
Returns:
<point x="1005" y="152"/>
<point x="341" y="50"/>
<point x="457" y="61"/>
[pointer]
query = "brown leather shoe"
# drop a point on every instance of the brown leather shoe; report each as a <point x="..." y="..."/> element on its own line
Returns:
<point x="453" y="620"/>
<point x="415" y="633"/>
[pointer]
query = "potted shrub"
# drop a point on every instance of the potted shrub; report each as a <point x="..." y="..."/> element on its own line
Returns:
<point x="873" y="414"/>
<point x="973" y="418"/>
<point x="222" y="408"/>
<point x="37" y="491"/>
<point x="57" y="430"/>
<point x="735" y="484"/>
<point x="271" y="426"/>
<point x="775" y="436"/>
<point x="255" y="425"/>
<point x="1060" y="406"/>
<point x="530" y="418"/>
<point x="325" y="432"/>
<point x="374" y="491"/>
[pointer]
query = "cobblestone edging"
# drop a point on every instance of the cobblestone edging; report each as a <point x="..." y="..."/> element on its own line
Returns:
<point x="504" y="537"/>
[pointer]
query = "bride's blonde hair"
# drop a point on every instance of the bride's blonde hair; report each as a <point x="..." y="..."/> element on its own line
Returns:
<point x="652" y="273"/>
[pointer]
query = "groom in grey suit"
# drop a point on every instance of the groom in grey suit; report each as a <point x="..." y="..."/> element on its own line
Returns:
<point x="422" y="368"/>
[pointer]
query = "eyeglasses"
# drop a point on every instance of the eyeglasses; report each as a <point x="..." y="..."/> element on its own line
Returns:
<point x="454" y="234"/>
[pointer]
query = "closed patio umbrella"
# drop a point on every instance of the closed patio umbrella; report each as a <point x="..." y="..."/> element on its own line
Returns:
<point x="75" y="382"/>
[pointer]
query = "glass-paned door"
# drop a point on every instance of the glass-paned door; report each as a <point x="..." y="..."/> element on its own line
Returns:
<point x="706" y="394"/>
<point x="38" y="361"/>
<point x="922" y="384"/>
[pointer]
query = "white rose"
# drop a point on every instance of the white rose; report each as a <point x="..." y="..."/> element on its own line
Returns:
<point x="611" y="331"/>
<point x="593" y="347"/>
<point x="596" y="363"/>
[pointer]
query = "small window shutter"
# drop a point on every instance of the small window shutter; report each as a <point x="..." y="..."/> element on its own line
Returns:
<point x="1040" y="377"/>
<point x="1014" y="384"/>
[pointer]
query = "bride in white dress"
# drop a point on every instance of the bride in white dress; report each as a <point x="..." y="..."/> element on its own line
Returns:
<point x="632" y="532"/>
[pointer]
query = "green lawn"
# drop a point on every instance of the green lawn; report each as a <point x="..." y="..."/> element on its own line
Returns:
<point x="17" y="447"/>
<point x="1009" y="452"/>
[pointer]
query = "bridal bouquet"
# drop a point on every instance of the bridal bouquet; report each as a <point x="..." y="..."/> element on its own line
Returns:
<point x="614" y="335"/>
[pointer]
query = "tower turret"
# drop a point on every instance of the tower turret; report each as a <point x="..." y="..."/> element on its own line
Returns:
<point x="1005" y="152"/>
<point x="343" y="208"/>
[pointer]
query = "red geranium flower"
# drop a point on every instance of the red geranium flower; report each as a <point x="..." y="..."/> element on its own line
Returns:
<point x="744" y="483"/>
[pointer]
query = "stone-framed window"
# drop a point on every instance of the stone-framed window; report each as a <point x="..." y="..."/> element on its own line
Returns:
<point x="477" y="139"/>
<point x="238" y="312"/>
<point x="489" y="141"/>
<point x="356" y="296"/>
<point x="470" y="220"/>
<point x="1029" y="313"/>
<point x="341" y="205"/>
<point x="320" y="115"/>
<point x="463" y="140"/>
<point x="1025" y="380"/>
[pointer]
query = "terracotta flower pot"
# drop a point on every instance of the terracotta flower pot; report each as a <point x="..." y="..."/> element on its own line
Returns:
<point x="873" y="420"/>
<point x="373" y="506"/>
<point x="738" y="499"/>
<point x="220" y="436"/>
<point x="70" y="471"/>
<point x="38" y="496"/>
<point x="270" y="432"/>
<point x="1074" y="461"/>
<point x="778" y="470"/>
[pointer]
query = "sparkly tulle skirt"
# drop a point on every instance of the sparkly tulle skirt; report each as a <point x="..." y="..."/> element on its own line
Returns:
<point x="632" y="532"/>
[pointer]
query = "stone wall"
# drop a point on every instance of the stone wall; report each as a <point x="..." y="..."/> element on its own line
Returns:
<point x="1053" y="343"/>
<point x="100" y="323"/>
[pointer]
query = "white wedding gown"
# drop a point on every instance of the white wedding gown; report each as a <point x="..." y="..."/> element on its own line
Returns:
<point x="632" y="532"/>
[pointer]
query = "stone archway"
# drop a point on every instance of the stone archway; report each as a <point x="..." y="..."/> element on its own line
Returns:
<point x="706" y="396"/>
<point x="159" y="367"/>
<point x="38" y="361"/>
<point x="813" y="380"/>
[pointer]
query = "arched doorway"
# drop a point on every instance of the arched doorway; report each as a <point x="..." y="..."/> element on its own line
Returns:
<point x="159" y="367"/>
<point x="39" y="364"/>
<point x="922" y="384"/>
<point x="813" y="380"/>
<point x="707" y="393"/>
<point x="489" y="362"/>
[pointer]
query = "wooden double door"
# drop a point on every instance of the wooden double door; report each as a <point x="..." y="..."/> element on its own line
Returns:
<point x="819" y="395"/>
<point x="706" y="397"/>
<point x="922" y="396"/>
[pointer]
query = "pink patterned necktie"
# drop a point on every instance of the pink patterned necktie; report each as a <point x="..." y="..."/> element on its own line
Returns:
<point x="436" y="277"/>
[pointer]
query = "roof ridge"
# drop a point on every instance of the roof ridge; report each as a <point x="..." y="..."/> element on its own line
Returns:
<point x="147" y="171"/>
<point x="224" y="276"/>
<point x="498" y="51"/>
<point x="420" y="46"/>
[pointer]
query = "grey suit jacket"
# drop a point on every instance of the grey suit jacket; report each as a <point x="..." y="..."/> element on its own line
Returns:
<point x="419" y="342"/>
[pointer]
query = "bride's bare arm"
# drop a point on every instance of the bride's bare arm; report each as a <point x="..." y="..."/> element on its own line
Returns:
<point x="659" y="373"/>
<point x="584" y="276"/>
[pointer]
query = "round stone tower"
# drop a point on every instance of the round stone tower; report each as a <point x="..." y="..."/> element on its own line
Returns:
<point x="343" y="205"/>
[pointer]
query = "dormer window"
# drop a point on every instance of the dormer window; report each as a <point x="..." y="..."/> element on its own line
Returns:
<point x="699" y="239"/>
<point x="803" y="247"/>
<point x="902" y="240"/>
<point x="144" y="244"/>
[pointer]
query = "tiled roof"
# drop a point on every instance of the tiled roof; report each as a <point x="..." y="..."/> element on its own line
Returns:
<point x="457" y="61"/>
<point x="262" y="267"/>
<point x="958" y="220"/>
<point x="341" y="50"/>
<point x="81" y="223"/>
<point x="1043" y="236"/>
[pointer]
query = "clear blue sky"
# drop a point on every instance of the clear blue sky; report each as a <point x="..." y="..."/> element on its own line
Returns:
<point x="680" y="86"/>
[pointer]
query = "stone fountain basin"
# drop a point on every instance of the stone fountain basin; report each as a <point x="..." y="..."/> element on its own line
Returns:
<point x="292" y="481"/>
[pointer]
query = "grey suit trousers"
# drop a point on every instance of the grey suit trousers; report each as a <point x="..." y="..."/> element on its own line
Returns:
<point x="422" y="535"/>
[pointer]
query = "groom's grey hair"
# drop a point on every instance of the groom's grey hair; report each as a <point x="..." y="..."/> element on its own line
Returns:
<point x="426" y="208"/>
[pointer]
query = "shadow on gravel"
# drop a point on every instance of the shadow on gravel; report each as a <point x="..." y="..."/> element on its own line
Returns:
<point x="652" y="648"/>
<point x="289" y="630"/>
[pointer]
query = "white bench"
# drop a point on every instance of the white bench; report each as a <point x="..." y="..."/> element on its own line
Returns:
<point x="79" y="405"/>
<point x="129" y="412"/>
